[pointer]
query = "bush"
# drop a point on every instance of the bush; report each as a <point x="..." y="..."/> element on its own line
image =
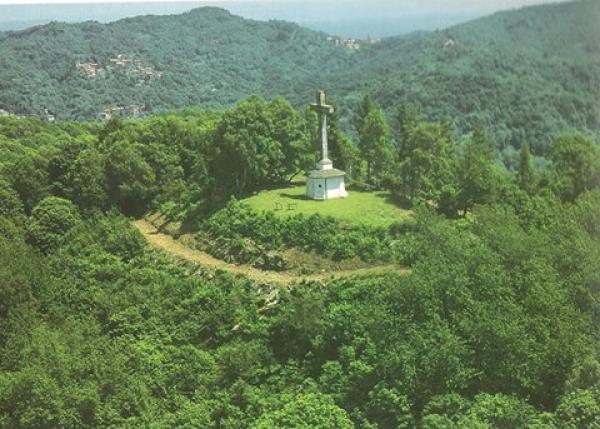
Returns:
<point x="323" y="235"/>
<point x="11" y="205"/>
<point x="50" y="220"/>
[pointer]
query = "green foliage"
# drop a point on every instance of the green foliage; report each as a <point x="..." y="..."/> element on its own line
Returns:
<point x="258" y="144"/>
<point x="130" y="179"/>
<point x="375" y="146"/>
<point x="477" y="176"/>
<point x="425" y="161"/>
<point x="11" y="205"/>
<point x="86" y="181"/>
<point x="525" y="74"/>
<point x="306" y="411"/>
<point x="321" y="234"/>
<point x="18" y="278"/>
<point x="576" y="166"/>
<point x="29" y="177"/>
<point x="112" y="234"/>
<point x="579" y="409"/>
<point x="526" y="175"/>
<point x="485" y="331"/>
<point x="494" y="326"/>
<point x="50" y="220"/>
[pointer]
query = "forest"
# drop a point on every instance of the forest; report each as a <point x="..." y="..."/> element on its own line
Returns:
<point x="495" y="323"/>
<point x="525" y="75"/>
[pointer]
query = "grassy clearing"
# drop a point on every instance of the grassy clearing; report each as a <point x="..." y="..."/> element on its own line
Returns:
<point x="367" y="208"/>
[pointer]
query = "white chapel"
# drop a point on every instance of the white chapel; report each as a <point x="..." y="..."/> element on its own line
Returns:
<point x="325" y="182"/>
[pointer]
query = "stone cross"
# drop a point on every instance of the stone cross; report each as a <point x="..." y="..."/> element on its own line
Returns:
<point x="323" y="110"/>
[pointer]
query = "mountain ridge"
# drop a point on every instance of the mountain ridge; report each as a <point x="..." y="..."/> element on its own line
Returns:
<point x="531" y="60"/>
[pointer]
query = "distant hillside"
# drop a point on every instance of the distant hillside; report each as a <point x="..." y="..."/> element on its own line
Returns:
<point x="524" y="74"/>
<point x="206" y="57"/>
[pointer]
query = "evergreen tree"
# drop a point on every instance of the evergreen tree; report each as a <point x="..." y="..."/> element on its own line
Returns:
<point x="476" y="172"/>
<point x="526" y="175"/>
<point x="426" y="165"/>
<point x="376" y="147"/>
<point x="342" y="151"/>
<point x="407" y="119"/>
<point x="366" y="106"/>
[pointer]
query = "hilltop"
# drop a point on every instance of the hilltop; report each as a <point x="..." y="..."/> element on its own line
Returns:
<point x="364" y="208"/>
<point x="525" y="74"/>
<point x="477" y="309"/>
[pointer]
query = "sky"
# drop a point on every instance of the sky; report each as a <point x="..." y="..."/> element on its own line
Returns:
<point x="351" y="18"/>
<point x="489" y="5"/>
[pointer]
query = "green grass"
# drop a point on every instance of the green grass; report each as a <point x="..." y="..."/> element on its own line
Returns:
<point x="368" y="208"/>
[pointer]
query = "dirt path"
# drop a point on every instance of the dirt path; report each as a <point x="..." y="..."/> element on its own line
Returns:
<point x="166" y="243"/>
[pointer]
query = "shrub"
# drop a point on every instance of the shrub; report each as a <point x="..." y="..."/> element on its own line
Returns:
<point x="50" y="220"/>
<point x="323" y="235"/>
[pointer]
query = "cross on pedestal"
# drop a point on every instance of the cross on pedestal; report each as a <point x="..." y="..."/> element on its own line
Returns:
<point x="325" y="182"/>
<point x="323" y="110"/>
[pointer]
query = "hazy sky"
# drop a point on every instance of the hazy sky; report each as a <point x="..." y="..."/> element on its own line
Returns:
<point x="436" y="5"/>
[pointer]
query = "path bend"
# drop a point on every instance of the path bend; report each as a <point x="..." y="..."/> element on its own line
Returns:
<point x="166" y="243"/>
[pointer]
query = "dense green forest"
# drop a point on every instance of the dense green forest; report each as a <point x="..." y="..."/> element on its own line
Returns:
<point x="525" y="75"/>
<point x="496" y="324"/>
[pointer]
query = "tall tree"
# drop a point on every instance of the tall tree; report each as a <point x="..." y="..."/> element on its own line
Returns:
<point x="426" y="165"/>
<point x="376" y="147"/>
<point x="407" y="119"/>
<point x="366" y="106"/>
<point x="476" y="172"/>
<point x="526" y="175"/>
<point x="130" y="180"/>
<point x="86" y="181"/>
<point x="289" y="131"/>
<point x="575" y="166"/>
<point x="29" y="177"/>
<point x="258" y="144"/>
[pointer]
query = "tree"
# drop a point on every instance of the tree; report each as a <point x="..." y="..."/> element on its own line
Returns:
<point x="426" y="165"/>
<point x="29" y="177"/>
<point x="86" y="181"/>
<point x="575" y="166"/>
<point x="50" y="220"/>
<point x="289" y="130"/>
<point x="130" y="180"/>
<point x="375" y="147"/>
<point x="477" y="177"/>
<point x="19" y="267"/>
<point x="407" y="120"/>
<point x="258" y="145"/>
<point x="579" y="409"/>
<point x="10" y="203"/>
<point x="365" y="107"/>
<point x="497" y="411"/>
<point x="526" y="175"/>
<point x="305" y="411"/>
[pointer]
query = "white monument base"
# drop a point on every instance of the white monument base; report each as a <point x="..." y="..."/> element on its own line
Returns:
<point x="326" y="184"/>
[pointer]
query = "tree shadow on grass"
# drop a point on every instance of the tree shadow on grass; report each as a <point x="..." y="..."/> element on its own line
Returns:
<point x="398" y="201"/>
<point x="301" y="197"/>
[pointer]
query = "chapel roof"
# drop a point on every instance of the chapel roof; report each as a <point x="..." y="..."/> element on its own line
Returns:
<point x="325" y="174"/>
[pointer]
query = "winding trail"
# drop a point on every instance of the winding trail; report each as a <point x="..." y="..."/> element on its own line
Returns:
<point x="168" y="244"/>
